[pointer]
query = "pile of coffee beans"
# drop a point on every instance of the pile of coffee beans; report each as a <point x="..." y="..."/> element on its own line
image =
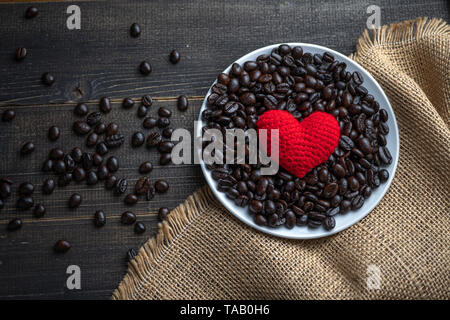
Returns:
<point x="301" y="83"/>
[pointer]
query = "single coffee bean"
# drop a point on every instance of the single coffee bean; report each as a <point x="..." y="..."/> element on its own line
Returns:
<point x="102" y="172"/>
<point x="161" y="186"/>
<point x="94" y="118"/>
<point x="128" y="217"/>
<point x="62" y="246"/>
<point x="164" y="112"/>
<point x="92" y="139"/>
<point x="26" y="189"/>
<point x="121" y="186"/>
<point x="329" y="223"/>
<point x="48" y="186"/>
<point x="150" y="193"/>
<point x="64" y="179"/>
<point x="100" y="128"/>
<point x="8" y="115"/>
<point x="24" y="203"/>
<point x="142" y="185"/>
<point x="81" y="109"/>
<point x="142" y="111"/>
<point x="112" y="129"/>
<point x="101" y="148"/>
<point x="174" y="56"/>
<point x="139" y="227"/>
<point x="153" y="139"/>
<point x="105" y="105"/>
<point x="91" y="178"/>
<point x="99" y="219"/>
<point x="147" y="100"/>
<point x="130" y="199"/>
<point x="167" y="133"/>
<point x="165" y="158"/>
<point x="260" y="220"/>
<point x="79" y="174"/>
<point x="137" y="139"/>
<point x="54" y="133"/>
<point x="31" y="12"/>
<point x="47" y="166"/>
<point x="97" y="160"/>
<point x="39" y="210"/>
<point x="15" y="224"/>
<point x="75" y="201"/>
<point x="135" y="30"/>
<point x="163" y="122"/>
<point x="113" y="164"/>
<point x="149" y="123"/>
<point x="162" y="213"/>
<point x="5" y="190"/>
<point x="48" y="79"/>
<point x="127" y="103"/>
<point x="114" y="141"/>
<point x="87" y="161"/>
<point x="165" y="146"/>
<point x="27" y="148"/>
<point x="21" y="53"/>
<point x="182" y="103"/>
<point x="56" y="154"/>
<point x="383" y="174"/>
<point x="81" y="128"/>
<point x="145" y="167"/>
<point x="131" y="254"/>
<point x="110" y="182"/>
<point x="145" y="68"/>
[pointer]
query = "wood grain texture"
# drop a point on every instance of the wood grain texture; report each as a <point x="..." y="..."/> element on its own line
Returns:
<point x="101" y="59"/>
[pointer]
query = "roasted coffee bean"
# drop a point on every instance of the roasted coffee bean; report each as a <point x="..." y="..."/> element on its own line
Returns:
<point x="384" y="115"/>
<point x="383" y="174"/>
<point x="150" y="193"/>
<point x="112" y="129"/>
<point x="94" y="118"/>
<point x="357" y="202"/>
<point x="92" y="139"/>
<point x="79" y="174"/>
<point x="260" y="220"/>
<point x="174" y="56"/>
<point x="164" y="112"/>
<point x="54" y="133"/>
<point x="48" y="79"/>
<point x="131" y="254"/>
<point x="87" y="161"/>
<point x="5" y="190"/>
<point x="128" y="217"/>
<point x="91" y="178"/>
<point x="75" y="201"/>
<point x="27" y="148"/>
<point x="161" y="186"/>
<point x="24" y="203"/>
<point x="15" y="224"/>
<point x="21" y="53"/>
<point x="153" y="139"/>
<point x="329" y="223"/>
<point x="165" y="146"/>
<point x="97" y="160"/>
<point x="145" y="68"/>
<point x="167" y="133"/>
<point x="135" y="30"/>
<point x="114" y="141"/>
<point x="165" y="158"/>
<point x="101" y="148"/>
<point x="162" y="213"/>
<point x="147" y="100"/>
<point x="127" y="103"/>
<point x="346" y="143"/>
<point x="31" y="12"/>
<point x="110" y="182"/>
<point x="142" y="185"/>
<point x="26" y="189"/>
<point x="81" y="109"/>
<point x="256" y="206"/>
<point x="99" y="218"/>
<point x="137" y="139"/>
<point x="81" y="128"/>
<point x="142" y="111"/>
<point x="48" y="186"/>
<point x="130" y="199"/>
<point x="145" y="167"/>
<point x="112" y="164"/>
<point x="139" y="227"/>
<point x="102" y="172"/>
<point x="182" y="103"/>
<point x="385" y="155"/>
<point x="56" y="154"/>
<point x="2" y="204"/>
<point x="39" y="210"/>
<point x="163" y="122"/>
<point x="8" y="115"/>
<point x="291" y="219"/>
<point x="149" y="123"/>
<point x="105" y="105"/>
<point x="59" y="167"/>
<point x="62" y="246"/>
<point x="47" y="166"/>
<point x="121" y="186"/>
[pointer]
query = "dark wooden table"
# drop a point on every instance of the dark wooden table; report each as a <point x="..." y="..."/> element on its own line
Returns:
<point x="101" y="59"/>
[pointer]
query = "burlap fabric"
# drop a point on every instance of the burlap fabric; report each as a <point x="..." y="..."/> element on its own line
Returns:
<point x="203" y="252"/>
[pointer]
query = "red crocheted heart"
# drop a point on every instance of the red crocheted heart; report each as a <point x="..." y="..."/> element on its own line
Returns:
<point x="302" y="145"/>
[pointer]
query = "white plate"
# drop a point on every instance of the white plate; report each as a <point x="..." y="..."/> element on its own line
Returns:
<point x="342" y="221"/>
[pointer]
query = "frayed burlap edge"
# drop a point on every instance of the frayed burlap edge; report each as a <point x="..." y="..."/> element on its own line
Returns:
<point x="140" y="268"/>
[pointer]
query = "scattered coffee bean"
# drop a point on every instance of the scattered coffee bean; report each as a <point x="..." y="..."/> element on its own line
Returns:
<point x="64" y="179"/>
<point x="47" y="166"/>
<point x="110" y="182"/>
<point x="59" y="167"/>
<point x="62" y="246"/>
<point x="142" y="111"/>
<point x="130" y="199"/>
<point x="100" y="128"/>
<point x="24" y="203"/>
<point x="150" y="193"/>
<point x="26" y="189"/>
<point x="97" y="160"/>
<point x="114" y="141"/>
<point x="27" y="148"/>
<point x="163" y="122"/>
<point x="137" y="139"/>
<point x="56" y="154"/>
<point x="81" y="128"/>
<point x="135" y="30"/>
<point x="165" y="158"/>
<point x="8" y="115"/>
<point x="112" y="129"/>
<point x="182" y="103"/>
<point x="162" y="213"/>
<point x="142" y="185"/>
<point x="145" y="68"/>
<point x="174" y="56"/>
<point x="31" y="12"/>
<point x="92" y="140"/>
<point x="128" y="217"/>
<point x="153" y="139"/>
<point x="94" y="118"/>
<point x="139" y="227"/>
<point x="127" y="103"/>
<point x="48" y="79"/>
<point x="102" y="172"/>
<point x="99" y="219"/>
<point x="149" y="123"/>
<point x="161" y="186"/>
<point x="167" y="133"/>
<point x="39" y="210"/>
<point x="131" y="254"/>
<point x="54" y="133"/>
<point x="5" y="190"/>
<point x="113" y="164"/>
<point x="79" y="174"/>
<point x="48" y="186"/>
<point x="21" y="53"/>
<point x="81" y="109"/>
<point x="145" y="167"/>
<point x="91" y="178"/>
<point x="165" y="146"/>
<point x="15" y="224"/>
<point x="105" y="105"/>
<point x="101" y="148"/>
<point x="121" y="186"/>
<point x="75" y="201"/>
<point x="147" y="100"/>
<point x="164" y="112"/>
